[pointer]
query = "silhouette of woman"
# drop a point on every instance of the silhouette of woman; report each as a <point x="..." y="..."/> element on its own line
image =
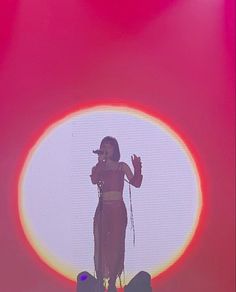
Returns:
<point x="110" y="220"/>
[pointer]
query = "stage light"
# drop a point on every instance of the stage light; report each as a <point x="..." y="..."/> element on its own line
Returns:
<point x="140" y="283"/>
<point x="86" y="282"/>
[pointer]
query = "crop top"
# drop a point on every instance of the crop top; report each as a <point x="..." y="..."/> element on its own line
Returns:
<point x="113" y="179"/>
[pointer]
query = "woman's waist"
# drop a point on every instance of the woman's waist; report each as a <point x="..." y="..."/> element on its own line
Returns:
<point x="112" y="195"/>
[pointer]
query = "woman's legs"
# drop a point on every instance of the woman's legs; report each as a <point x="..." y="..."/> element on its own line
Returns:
<point x="110" y="241"/>
<point x="117" y="243"/>
<point x="99" y="227"/>
<point x="112" y="280"/>
<point x="100" y="283"/>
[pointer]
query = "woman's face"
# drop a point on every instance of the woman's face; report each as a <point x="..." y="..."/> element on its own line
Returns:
<point x="108" y="150"/>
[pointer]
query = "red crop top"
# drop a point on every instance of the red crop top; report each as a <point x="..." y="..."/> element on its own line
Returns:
<point x="113" y="179"/>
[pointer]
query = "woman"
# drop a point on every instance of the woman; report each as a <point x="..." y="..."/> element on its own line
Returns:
<point x="110" y="220"/>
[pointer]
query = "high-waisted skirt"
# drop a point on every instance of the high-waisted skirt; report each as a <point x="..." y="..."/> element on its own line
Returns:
<point x="109" y="228"/>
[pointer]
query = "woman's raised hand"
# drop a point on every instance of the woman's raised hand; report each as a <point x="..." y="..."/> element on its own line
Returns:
<point x="136" y="161"/>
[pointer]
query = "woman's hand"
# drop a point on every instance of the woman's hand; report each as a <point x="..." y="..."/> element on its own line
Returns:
<point x="137" y="178"/>
<point x="136" y="161"/>
<point x="101" y="161"/>
<point x="102" y="157"/>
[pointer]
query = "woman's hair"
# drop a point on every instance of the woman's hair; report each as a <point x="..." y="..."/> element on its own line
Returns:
<point x="114" y="143"/>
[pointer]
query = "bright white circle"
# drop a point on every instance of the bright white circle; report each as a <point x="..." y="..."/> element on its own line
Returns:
<point x="57" y="200"/>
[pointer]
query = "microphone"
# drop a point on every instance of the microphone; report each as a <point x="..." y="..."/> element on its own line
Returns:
<point x="98" y="151"/>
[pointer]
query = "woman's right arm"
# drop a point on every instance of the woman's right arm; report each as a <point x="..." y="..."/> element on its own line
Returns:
<point x="97" y="170"/>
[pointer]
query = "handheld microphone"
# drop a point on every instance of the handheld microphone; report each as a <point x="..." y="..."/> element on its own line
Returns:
<point x="98" y="151"/>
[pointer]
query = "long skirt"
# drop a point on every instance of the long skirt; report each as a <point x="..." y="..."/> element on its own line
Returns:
<point x="109" y="228"/>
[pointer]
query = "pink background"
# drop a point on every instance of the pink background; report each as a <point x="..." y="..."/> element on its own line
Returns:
<point x="173" y="59"/>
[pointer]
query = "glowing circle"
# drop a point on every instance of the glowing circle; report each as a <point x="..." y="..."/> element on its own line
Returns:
<point x="57" y="200"/>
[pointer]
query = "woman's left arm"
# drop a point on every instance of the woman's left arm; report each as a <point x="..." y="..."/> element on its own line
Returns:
<point x="136" y="178"/>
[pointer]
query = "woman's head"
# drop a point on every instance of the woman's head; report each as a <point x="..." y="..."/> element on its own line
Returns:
<point x="110" y="145"/>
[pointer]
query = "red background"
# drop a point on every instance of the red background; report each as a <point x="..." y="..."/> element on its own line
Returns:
<point x="174" y="59"/>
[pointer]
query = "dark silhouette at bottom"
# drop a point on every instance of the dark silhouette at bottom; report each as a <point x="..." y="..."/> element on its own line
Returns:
<point x="88" y="283"/>
<point x="140" y="283"/>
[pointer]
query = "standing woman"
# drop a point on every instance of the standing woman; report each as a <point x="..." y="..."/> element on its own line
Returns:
<point x="110" y="220"/>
